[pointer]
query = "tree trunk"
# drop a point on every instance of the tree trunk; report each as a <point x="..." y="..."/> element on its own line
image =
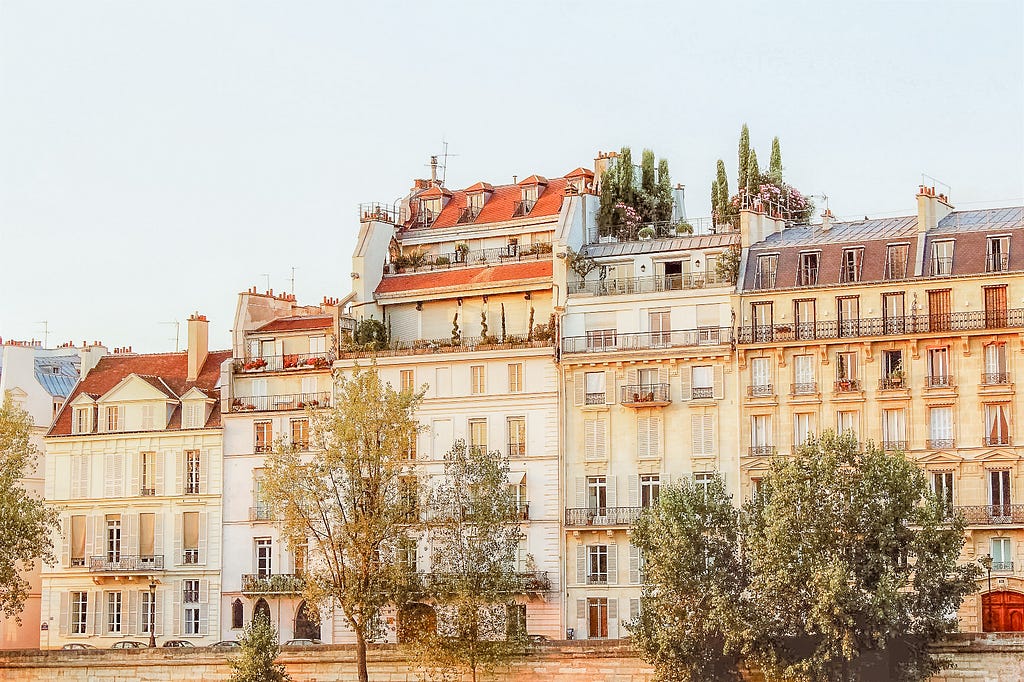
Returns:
<point x="361" y="656"/>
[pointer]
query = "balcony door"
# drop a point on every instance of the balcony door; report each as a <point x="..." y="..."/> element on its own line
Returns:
<point x="892" y="314"/>
<point x="995" y="307"/>
<point x="848" y="308"/>
<point x="113" y="538"/>
<point x="597" y="617"/>
<point x="762" y="320"/>
<point x="803" y="313"/>
<point x="939" y="310"/>
<point x="661" y="327"/>
<point x="999" y="492"/>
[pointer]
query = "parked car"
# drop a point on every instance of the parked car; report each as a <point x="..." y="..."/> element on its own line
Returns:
<point x="76" y="646"/>
<point x="303" y="642"/>
<point x="225" y="644"/>
<point x="178" y="643"/>
<point x="128" y="644"/>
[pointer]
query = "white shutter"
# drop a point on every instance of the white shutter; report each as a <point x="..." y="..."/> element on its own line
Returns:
<point x="96" y="612"/>
<point x="203" y="543"/>
<point x="579" y="379"/>
<point x="158" y="614"/>
<point x="581" y="492"/>
<point x="613" y="567"/>
<point x="99" y="538"/>
<point x="634" y="608"/>
<point x="65" y="545"/>
<point x="634" y="564"/>
<point x="158" y="535"/>
<point x="609" y="388"/>
<point x="632" y="377"/>
<point x="133" y="606"/>
<point x="718" y="376"/>
<point x="590" y="428"/>
<point x="179" y="534"/>
<point x="612" y="490"/>
<point x="581" y="619"/>
<point x="601" y="443"/>
<point x="113" y="474"/>
<point x="65" y="614"/>
<point x="204" y="607"/>
<point x="179" y="473"/>
<point x="686" y="380"/>
<point x="176" y="606"/>
<point x="581" y="565"/>
<point x="634" y="490"/>
<point x="643" y="437"/>
<point x="654" y="436"/>
<point x="130" y="534"/>
<point x="613" y="614"/>
<point x="132" y="467"/>
<point x="159" y="457"/>
<point x="709" y="434"/>
<point x="697" y="434"/>
<point x="204" y="472"/>
<point x="663" y="375"/>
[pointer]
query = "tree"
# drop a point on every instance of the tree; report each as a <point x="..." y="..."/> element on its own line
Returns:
<point x="26" y="523"/>
<point x="259" y="648"/>
<point x="664" y="200"/>
<point x="753" y="174"/>
<point x="744" y="156"/>
<point x="371" y="333"/>
<point x="474" y="535"/>
<point x="725" y="207"/>
<point x="775" y="165"/>
<point x="647" y="197"/>
<point x="851" y="558"/>
<point x="347" y="501"/>
<point x="727" y="265"/>
<point x="690" y="624"/>
<point x="625" y="181"/>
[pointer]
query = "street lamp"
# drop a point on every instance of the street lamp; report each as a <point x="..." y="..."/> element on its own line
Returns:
<point x="986" y="563"/>
<point x="152" y="614"/>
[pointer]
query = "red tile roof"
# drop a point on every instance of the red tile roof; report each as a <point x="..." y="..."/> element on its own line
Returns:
<point x="533" y="180"/>
<point x="465" y="277"/>
<point x="580" y="173"/>
<point x="170" y="369"/>
<point x="297" y="323"/>
<point x="480" y="187"/>
<point x="434" y="192"/>
<point x="500" y="204"/>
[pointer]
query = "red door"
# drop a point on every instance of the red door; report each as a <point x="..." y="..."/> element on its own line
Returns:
<point x="1002" y="612"/>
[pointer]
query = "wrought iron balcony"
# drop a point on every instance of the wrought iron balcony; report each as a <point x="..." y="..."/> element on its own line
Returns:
<point x="602" y="516"/>
<point x="997" y="262"/>
<point x="702" y="392"/>
<point x="623" y="286"/>
<point x="761" y="450"/>
<point x="276" y="583"/>
<point x="523" y="582"/>
<point x="260" y="512"/>
<point x="992" y="514"/>
<point x="939" y="381"/>
<point x="124" y="563"/>
<point x="882" y="326"/>
<point x="760" y="391"/>
<point x="286" y="401"/>
<point x="612" y="340"/>
<point x="805" y="388"/>
<point x="989" y="441"/>
<point x="892" y="384"/>
<point x="597" y="578"/>
<point x="895" y="445"/>
<point x="940" y="443"/>
<point x="280" y="363"/>
<point x="995" y="378"/>
<point x="645" y="395"/>
<point x="147" y="492"/>
<point x="1002" y="566"/>
<point x="463" y="258"/>
<point x="846" y="386"/>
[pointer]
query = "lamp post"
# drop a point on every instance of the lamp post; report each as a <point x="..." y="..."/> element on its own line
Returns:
<point x="152" y="614"/>
<point x="986" y="563"/>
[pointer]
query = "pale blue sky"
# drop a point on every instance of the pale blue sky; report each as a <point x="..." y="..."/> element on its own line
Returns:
<point x="158" y="157"/>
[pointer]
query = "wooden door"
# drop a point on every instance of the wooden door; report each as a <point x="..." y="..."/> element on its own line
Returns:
<point x="995" y="307"/>
<point x="1002" y="612"/>
<point x="939" y="310"/>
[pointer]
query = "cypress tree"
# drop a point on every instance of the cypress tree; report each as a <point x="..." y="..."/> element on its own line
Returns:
<point x="744" y="156"/>
<point x="753" y="174"/>
<point x="624" y="186"/>
<point x="715" y="206"/>
<point x="723" y="187"/>
<point x="606" y="210"/>
<point x="664" y="202"/>
<point x="775" y="167"/>
<point x="647" y="200"/>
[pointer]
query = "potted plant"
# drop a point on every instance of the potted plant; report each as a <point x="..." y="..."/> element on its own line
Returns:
<point x="461" y="251"/>
<point x="896" y="378"/>
<point x="645" y="233"/>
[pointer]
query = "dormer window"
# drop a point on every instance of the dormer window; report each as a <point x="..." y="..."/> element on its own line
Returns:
<point x="853" y="261"/>
<point x="193" y="414"/>
<point x="807" y="273"/>
<point x="766" y="268"/>
<point x="114" y="417"/>
<point x="997" y="254"/>
<point x="82" y="420"/>
<point x="942" y="258"/>
<point x="429" y="208"/>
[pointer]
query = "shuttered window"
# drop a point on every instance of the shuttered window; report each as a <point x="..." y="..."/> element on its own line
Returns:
<point x="594" y="438"/>
<point x="702" y="428"/>
<point x="648" y="436"/>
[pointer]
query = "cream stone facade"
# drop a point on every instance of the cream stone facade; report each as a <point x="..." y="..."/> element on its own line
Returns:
<point x="134" y="462"/>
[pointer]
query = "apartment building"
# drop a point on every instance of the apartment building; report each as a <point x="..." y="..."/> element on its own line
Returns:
<point x="133" y="459"/>
<point x="38" y="380"/>
<point x="904" y="331"/>
<point x="648" y="398"/>
<point x="463" y="282"/>
<point x="281" y="364"/>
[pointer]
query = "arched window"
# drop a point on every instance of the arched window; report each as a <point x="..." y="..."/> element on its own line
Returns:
<point x="261" y="610"/>
<point x="236" y="614"/>
<point x="305" y="628"/>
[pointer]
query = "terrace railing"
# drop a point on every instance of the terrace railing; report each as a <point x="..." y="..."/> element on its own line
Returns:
<point x="611" y="340"/>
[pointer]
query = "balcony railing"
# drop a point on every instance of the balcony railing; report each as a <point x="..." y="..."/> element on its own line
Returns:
<point x="761" y="450"/>
<point x="277" y="583"/>
<point x="259" y="513"/>
<point x="846" y="386"/>
<point x="609" y="341"/>
<point x="463" y="344"/>
<point x="996" y="440"/>
<point x="517" y="449"/>
<point x="760" y="390"/>
<point x="279" y="363"/>
<point x="940" y="443"/>
<point x="524" y="582"/>
<point x="882" y="326"/>
<point x="895" y="445"/>
<point x="1002" y="566"/>
<point x="126" y="564"/>
<point x="939" y="381"/>
<point x="190" y="556"/>
<point x="992" y="514"/>
<point x="892" y="384"/>
<point x="622" y="286"/>
<point x="702" y="392"/>
<point x="286" y="401"/>
<point x="147" y="492"/>
<point x="645" y="394"/>
<point x="427" y="262"/>
<point x="805" y="388"/>
<point x="997" y="262"/>
<point x="995" y="378"/>
<point x="602" y="516"/>
<point x="597" y="578"/>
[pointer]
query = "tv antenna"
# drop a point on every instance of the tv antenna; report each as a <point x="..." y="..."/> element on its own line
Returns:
<point x="444" y="163"/>
<point x="177" y="332"/>
<point x="935" y="181"/>
<point x="292" y="291"/>
<point x="46" y="333"/>
<point x="267" y="275"/>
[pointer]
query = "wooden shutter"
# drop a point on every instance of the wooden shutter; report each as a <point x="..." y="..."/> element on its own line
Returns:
<point x="632" y="377"/>
<point x="718" y="376"/>
<point x="709" y="434"/>
<point x="634" y="608"/>
<point x="613" y="614"/>
<point x="204" y="472"/>
<point x="159" y="458"/>
<point x="685" y="381"/>
<point x="579" y="379"/>
<point x="634" y="564"/>
<point x="581" y="565"/>
<point x="134" y="605"/>
<point x="132" y="467"/>
<point x="204" y="606"/>
<point x="613" y="567"/>
<point x="591" y="444"/>
<point x="158" y="534"/>
<point x="179" y="533"/>
<point x="176" y="605"/>
<point x="612" y="490"/>
<point x="96" y="612"/>
<point x="179" y="473"/>
<point x="130" y="534"/>
<point x="609" y="388"/>
<point x="654" y="435"/>
<point x="697" y="434"/>
<point x="65" y="613"/>
<point x="99" y="536"/>
<point x="65" y="545"/>
<point x="581" y="492"/>
<point x="643" y="437"/>
<point x="601" y="444"/>
<point x="581" y="619"/>
<point x="158" y="614"/>
<point x="203" y="543"/>
<point x="634" y="490"/>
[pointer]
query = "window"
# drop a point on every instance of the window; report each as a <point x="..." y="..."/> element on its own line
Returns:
<point x="77" y="540"/>
<point x="192" y="472"/>
<point x="1002" y="554"/>
<point x="938" y="367"/>
<point x="477" y="385"/>
<point x="803" y="375"/>
<point x="997" y="424"/>
<point x="853" y="261"/>
<point x="264" y="436"/>
<point x="300" y="434"/>
<point x="114" y="418"/>
<point x="893" y="319"/>
<point x="147" y="474"/>
<point x="702" y="382"/>
<point x="114" y="613"/>
<point x="702" y="428"/>
<point x="650" y="488"/>
<point x="600" y="339"/>
<point x="942" y="258"/>
<point x="703" y="480"/>
<point x="515" y="377"/>
<point x="807" y="271"/>
<point x="942" y="486"/>
<point x="761" y="377"/>
<point x="190" y="597"/>
<point x="940" y="310"/>
<point x="237" y="615"/>
<point x="597" y="617"/>
<point x="597" y="494"/>
<point x="995" y="364"/>
<point x="595" y="388"/>
<point x="892" y="370"/>
<point x="766" y="269"/>
<point x="516" y="436"/>
<point x="82" y="420"/>
<point x="597" y="564"/>
<point x="57" y="404"/>
<point x="190" y="541"/>
<point x="761" y="435"/>
<point x="317" y="345"/>
<point x="194" y="413"/>
<point x="148" y="612"/>
<point x="847" y="372"/>
<point x="896" y="261"/>
<point x="762" y="317"/>
<point x="409" y="498"/>
<point x="147" y="537"/>
<point x="113" y="538"/>
<point x="894" y="429"/>
<point x="407" y="379"/>
<point x="264" y="558"/>
<point x="594" y="438"/>
<point x="478" y="435"/>
<point x="995" y="307"/>
<point x="648" y="436"/>
<point x="147" y="417"/>
<point x="407" y="555"/>
<point x="661" y="327"/>
<point x="804" y="317"/>
<point x="997" y="254"/>
<point x="940" y="427"/>
<point x="847" y="420"/>
<point x="803" y="428"/>
<point x="848" y="314"/>
<point x="79" y="612"/>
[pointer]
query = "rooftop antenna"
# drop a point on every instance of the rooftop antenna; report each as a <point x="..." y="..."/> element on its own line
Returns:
<point x="935" y="181"/>
<point x="267" y="275"/>
<point x="46" y="333"/>
<point x="293" y="281"/>
<point x="445" y="154"/>
<point x="177" y="332"/>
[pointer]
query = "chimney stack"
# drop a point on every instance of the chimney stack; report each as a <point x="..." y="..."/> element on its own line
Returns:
<point x="198" y="344"/>
<point x="931" y="208"/>
<point x="826" y="220"/>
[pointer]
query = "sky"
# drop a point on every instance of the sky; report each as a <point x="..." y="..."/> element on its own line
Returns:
<point x="157" y="158"/>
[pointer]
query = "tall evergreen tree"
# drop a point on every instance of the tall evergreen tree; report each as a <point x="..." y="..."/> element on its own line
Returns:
<point x="665" y="201"/>
<point x="646" y="197"/>
<point x="753" y="174"/>
<point x="723" y="189"/>
<point x="625" y="187"/>
<point x="775" y="167"/>
<point x="606" y="209"/>
<point x="744" y="156"/>
<point x="715" y="206"/>
<point x="258" y="648"/>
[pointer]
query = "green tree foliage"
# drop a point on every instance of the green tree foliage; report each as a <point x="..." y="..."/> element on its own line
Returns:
<point x="625" y="177"/>
<point x="775" y="165"/>
<point x="259" y="648"/>
<point x="848" y="552"/>
<point x="474" y="535"/>
<point x="347" y="502"/>
<point x="26" y="523"/>
<point x="647" y="173"/>
<point x="371" y="334"/>
<point x="664" y="200"/>
<point x="744" y="156"/>
<point x="727" y="265"/>
<point x="625" y="205"/>
<point x="753" y="174"/>
<point x="690" y="625"/>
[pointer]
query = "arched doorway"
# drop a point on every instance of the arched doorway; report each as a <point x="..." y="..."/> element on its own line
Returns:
<point x="305" y="628"/>
<point x="1002" y="612"/>
<point x="416" y="618"/>
<point x="262" y="609"/>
